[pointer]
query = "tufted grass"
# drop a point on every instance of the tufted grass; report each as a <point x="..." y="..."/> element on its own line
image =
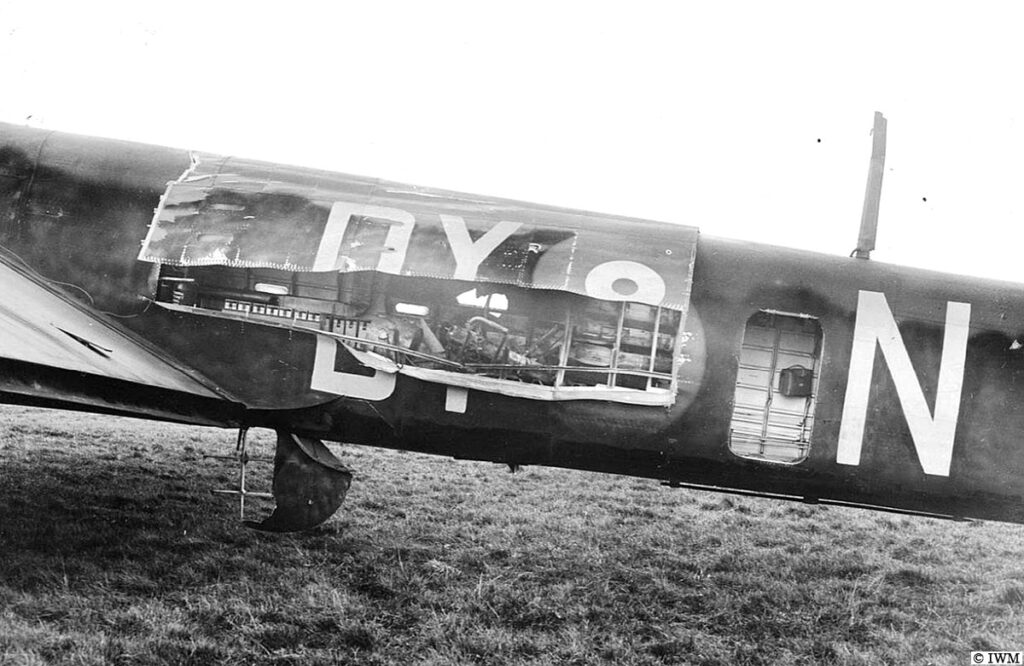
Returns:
<point x="113" y="551"/>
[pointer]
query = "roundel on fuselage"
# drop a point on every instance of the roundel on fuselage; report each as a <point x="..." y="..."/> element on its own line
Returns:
<point x="624" y="280"/>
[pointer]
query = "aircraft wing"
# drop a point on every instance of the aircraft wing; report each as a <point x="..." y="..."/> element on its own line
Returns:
<point x="56" y="351"/>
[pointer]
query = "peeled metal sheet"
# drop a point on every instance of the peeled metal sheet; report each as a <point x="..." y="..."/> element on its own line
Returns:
<point x="247" y="214"/>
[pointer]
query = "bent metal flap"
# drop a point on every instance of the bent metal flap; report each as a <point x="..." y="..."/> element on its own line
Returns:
<point x="478" y="293"/>
<point x="239" y="213"/>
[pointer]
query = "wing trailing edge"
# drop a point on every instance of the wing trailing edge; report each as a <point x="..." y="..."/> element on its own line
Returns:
<point x="56" y="351"/>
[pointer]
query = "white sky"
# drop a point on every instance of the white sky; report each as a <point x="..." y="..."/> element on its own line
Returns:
<point x="706" y="114"/>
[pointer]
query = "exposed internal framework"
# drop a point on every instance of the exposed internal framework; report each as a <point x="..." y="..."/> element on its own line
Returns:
<point x="540" y="338"/>
<point x="495" y="295"/>
<point x="776" y="386"/>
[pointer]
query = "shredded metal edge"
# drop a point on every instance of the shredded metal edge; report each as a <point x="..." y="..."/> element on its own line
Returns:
<point x="194" y="162"/>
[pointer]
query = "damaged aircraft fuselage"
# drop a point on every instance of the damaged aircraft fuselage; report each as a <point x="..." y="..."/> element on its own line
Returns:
<point x="357" y="310"/>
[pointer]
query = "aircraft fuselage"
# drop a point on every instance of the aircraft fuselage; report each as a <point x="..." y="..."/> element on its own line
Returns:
<point x="754" y="368"/>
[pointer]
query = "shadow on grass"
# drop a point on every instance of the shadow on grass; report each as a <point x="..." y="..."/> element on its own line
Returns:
<point x="113" y="550"/>
<point x="137" y="522"/>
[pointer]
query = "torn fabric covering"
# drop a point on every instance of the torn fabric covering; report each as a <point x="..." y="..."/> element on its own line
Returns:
<point x="247" y="214"/>
<point x="650" y="397"/>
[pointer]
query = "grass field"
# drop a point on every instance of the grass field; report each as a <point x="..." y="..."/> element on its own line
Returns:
<point x="113" y="551"/>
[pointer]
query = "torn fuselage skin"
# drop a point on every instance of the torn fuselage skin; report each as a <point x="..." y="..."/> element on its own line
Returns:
<point x="417" y="319"/>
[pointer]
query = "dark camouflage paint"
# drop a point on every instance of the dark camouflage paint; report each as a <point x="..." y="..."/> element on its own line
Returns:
<point x="77" y="208"/>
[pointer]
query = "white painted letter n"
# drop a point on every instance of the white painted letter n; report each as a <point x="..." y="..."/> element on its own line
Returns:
<point x="932" y="435"/>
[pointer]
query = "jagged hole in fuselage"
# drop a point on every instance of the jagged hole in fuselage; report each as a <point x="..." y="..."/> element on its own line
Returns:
<point x="507" y="332"/>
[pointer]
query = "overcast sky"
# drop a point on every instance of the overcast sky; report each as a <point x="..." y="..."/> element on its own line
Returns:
<point x="747" y="120"/>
